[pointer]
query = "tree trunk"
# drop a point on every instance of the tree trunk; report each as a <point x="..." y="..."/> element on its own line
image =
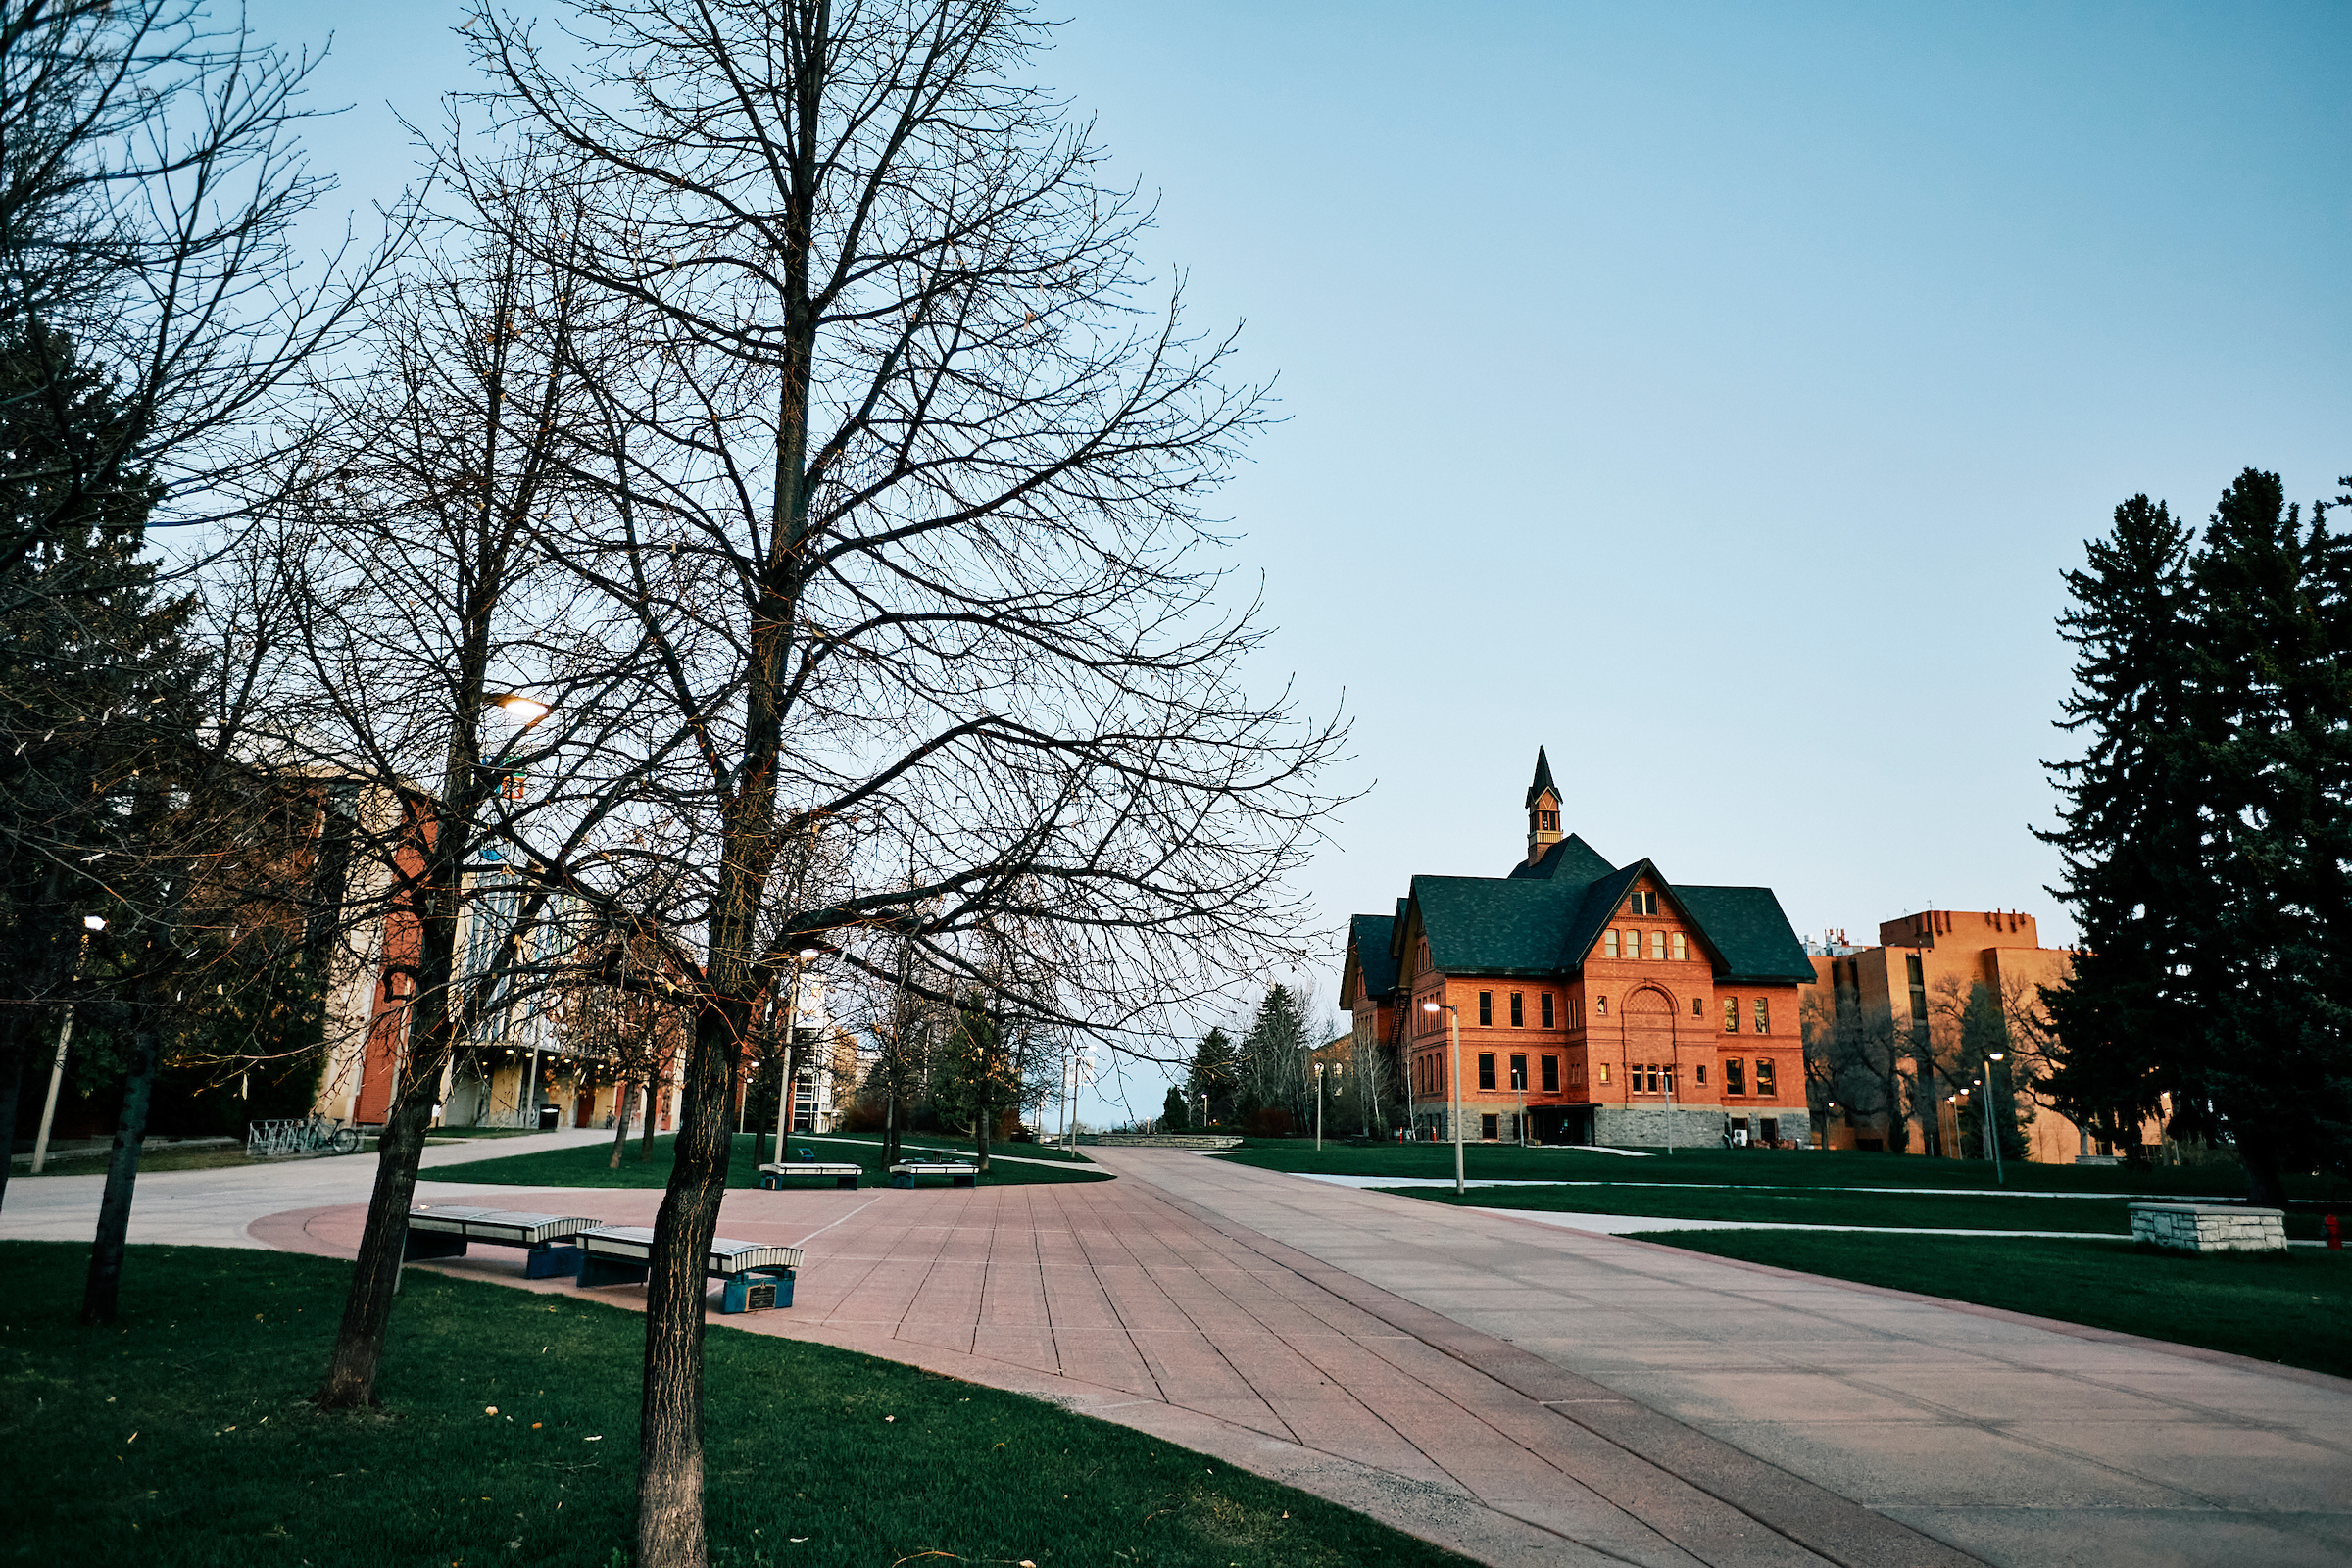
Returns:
<point x="623" y="1101"/>
<point x="101" y="1290"/>
<point x="890" y="1128"/>
<point x="669" y="1453"/>
<point x="2265" y="1188"/>
<point x="375" y="1278"/>
<point x="12" y="1078"/>
<point x="653" y="1102"/>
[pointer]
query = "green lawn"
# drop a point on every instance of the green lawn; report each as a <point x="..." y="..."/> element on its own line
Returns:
<point x="587" y="1165"/>
<point x="2291" y="1307"/>
<point x="1976" y="1211"/>
<point x="1763" y="1167"/>
<point x="181" y="1436"/>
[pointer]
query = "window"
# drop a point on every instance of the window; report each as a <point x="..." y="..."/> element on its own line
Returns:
<point x="1730" y="1015"/>
<point x="1681" y="946"/>
<point x="1489" y="1128"/>
<point x="1518" y="1011"/>
<point x="1551" y="1075"/>
<point x="1609" y="943"/>
<point x="1701" y="1070"/>
<point x="1764" y="1088"/>
<point x="1600" y="1005"/>
<point x="1548" y="1009"/>
<point x="1770" y="1126"/>
<point x="1763" y="1015"/>
<point x="1486" y="1008"/>
<point x="1485" y="1069"/>
<point x="1698" y="1008"/>
<point x="1604" y="1072"/>
<point x="1548" y="821"/>
<point x="1654" y="1077"/>
<point x="1668" y="1073"/>
<point x="1657" y="947"/>
<point x="1735" y="1076"/>
<point x="1518" y="1072"/>
<point x="1642" y="903"/>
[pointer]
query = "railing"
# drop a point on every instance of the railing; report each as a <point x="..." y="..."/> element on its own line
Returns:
<point x="308" y="1135"/>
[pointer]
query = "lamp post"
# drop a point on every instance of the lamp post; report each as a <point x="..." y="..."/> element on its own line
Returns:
<point x="90" y="924"/>
<point x="1318" y="1108"/>
<point x="1454" y="1025"/>
<point x="2000" y="1177"/>
<point x="1519" y="1082"/>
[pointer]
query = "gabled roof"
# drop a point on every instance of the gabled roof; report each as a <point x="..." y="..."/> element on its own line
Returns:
<point x="1546" y="924"/>
<point x="1543" y="780"/>
<point x="1368" y="945"/>
<point x="1751" y="932"/>
<point x="1571" y="860"/>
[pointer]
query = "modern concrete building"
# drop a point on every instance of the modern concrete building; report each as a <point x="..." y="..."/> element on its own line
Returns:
<point x="1602" y="1003"/>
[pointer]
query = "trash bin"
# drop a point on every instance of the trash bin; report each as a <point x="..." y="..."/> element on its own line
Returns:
<point x="549" y="1117"/>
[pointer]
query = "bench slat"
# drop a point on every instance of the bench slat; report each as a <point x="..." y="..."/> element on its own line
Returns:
<point x="634" y="1243"/>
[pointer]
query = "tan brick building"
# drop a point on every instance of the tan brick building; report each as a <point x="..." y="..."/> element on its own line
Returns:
<point x="1605" y="1004"/>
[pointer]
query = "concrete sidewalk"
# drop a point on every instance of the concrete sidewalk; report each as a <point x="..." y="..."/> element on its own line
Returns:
<point x="212" y="1207"/>
<point x="2018" y="1441"/>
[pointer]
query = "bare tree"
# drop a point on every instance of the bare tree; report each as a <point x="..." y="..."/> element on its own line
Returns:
<point x="903" y="478"/>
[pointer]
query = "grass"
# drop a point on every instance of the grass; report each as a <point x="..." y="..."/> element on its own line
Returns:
<point x="2293" y="1308"/>
<point x="587" y="1165"/>
<point x="180" y="1439"/>
<point x="1764" y="1167"/>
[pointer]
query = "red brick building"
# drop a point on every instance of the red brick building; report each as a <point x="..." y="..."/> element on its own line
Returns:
<point x="1613" y="1004"/>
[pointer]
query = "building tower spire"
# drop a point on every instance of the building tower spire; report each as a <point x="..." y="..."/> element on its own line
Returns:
<point x="1543" y="810"/>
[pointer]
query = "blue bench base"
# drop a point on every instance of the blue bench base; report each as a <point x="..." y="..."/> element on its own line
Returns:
<point x="757" y="1291"/>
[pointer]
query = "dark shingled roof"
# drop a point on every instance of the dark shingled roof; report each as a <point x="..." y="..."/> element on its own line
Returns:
<point x="1544" y="923"/>
<point x="1571" y="860"/>
<point x="1750" y="930"/>
<point x="1369" y="936"/>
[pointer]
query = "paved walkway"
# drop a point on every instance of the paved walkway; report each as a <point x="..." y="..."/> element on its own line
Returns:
<point x="1522" y="1393"/>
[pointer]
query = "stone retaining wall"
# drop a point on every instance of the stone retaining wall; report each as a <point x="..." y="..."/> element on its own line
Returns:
<point x="2210" y="1227"/>
<point x="1160" y="1140"/>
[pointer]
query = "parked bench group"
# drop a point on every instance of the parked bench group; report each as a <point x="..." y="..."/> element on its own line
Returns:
<point x="756" y="1275"/>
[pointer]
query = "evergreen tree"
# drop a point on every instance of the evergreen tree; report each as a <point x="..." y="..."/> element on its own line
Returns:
<point x="2127" y="833"/>
<point x="1273" y="1058"/>
<point x="1212" y="1078"/>
<point x="1174" y="1114"/>
<point x="2207" y="830"/>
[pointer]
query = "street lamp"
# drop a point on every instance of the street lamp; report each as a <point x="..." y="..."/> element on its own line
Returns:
<point x="1999" y="1177"/>
<point x="1453" y="1023"/>
<point x="90" y="924"/>
<point x="792" y="1032"/>
<point x="1318" y="1108"/>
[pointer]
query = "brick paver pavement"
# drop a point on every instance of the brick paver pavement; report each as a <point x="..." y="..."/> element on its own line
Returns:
<point x="1525" y="1393"/>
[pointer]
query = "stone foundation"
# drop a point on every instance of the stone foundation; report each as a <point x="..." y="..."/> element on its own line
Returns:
<point x="1694" y="1126"/>
<point x="2210" y="1227"/>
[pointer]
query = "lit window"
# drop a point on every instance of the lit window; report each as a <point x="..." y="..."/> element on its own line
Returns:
<point x="1551" y="1075"/>
<point x="1609" y="943"/>
<point x="1701" y="1070"/>
<point x="1547" y="1009"/>
<point x="1486" y="1070"/>
<point x="1730" y="1015"/>
<point x="1657" y="947"/>
<point x="1604" y="1072"/>
<point x="1682" y="948"/>
<point x="1763" y="1015"/>
<point x="1486" y="1008"/>
<point x="1518" y="1011"/>
<point x="1764" y="1088"/>
<point x="1600" y="1005"/>
<point x="1735" y="1076"/>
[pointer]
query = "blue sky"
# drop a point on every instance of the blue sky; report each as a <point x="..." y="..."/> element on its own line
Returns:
<point x="1712" y="394"/>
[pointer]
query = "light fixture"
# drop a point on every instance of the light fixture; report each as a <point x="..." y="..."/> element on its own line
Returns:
<point x="1429" y="1006"/>
<point x="93" y="922"/>
<point x="528" y="709"/>
<point x="1996" y="1055"/>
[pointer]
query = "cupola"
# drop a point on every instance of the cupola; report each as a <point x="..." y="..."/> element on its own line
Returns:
<point x="1543" y="810"/>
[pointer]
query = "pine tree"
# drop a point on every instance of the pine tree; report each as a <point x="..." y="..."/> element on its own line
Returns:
<point x="2271" y="708"/>
<point x="1212" y="1080"/>
<point x="1174" y="1114"/>
<point x="1273" y="1058"/>
<point x="2127" y="834"/>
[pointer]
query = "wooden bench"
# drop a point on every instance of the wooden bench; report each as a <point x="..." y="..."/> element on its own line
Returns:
<point x="550" y="1241"/>
<point x="758" y="1274"/>
<point x="772" y="1177"/>
<point x="958" y="1173"/>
